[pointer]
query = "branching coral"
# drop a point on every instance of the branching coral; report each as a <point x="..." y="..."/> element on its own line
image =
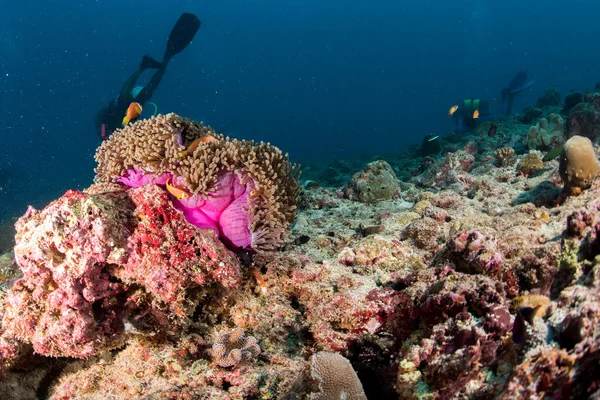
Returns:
<point x="246" y="191"/>
<point x="505" y="156"/>
<point x="234" y="347"/>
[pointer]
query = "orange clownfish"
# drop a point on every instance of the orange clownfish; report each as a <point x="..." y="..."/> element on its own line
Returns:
<point x="452" y="110"/>
<point x="476" y="114"/>
<point x="134" y="111"/>
<point x="194" y="145"/>
<point x="178" y="193"/>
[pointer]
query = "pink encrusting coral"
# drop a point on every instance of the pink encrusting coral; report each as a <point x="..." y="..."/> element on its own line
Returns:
<point x="90" y="267"/>
<point x="168" y="255"/>
<point x="65" y="303"/>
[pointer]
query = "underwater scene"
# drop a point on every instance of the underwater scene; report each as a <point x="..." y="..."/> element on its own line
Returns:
<point x="299" y="199"/>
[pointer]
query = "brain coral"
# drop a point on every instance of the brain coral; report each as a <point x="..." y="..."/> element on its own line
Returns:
<point x="334" y="378"/>
<point x="578" y="164"/>
<point x="245" y="191"/>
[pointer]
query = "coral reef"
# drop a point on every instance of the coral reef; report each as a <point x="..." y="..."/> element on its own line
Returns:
<point x="431" y="145"/>
<point x="7" y="236"/>
<point x="467" y="281"/>
<point x="578" y="164"/>
<point x="529" y="115"/>
<point x="475" y="253"/>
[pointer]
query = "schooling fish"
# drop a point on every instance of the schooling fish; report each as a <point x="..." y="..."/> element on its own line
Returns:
<point x="452" y="110"/>
<point x="178" y="193"/>
<point x="492" y="130"/>
<point x="134" y="111"/>
<point x="194" y="145"/>
<point x="476" y="114"/>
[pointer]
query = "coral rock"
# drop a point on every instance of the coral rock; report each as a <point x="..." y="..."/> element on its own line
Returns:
<point x="89" y="267"/>
<point x="584" y="119"/>
<point x="375" y="183"/>
<point x="65" y="305"/>
<point x="578" y="164"/>
<point x="475" y="253"/>
<point x="550" y="97"/>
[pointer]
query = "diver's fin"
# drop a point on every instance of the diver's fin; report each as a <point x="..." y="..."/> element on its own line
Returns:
<point x="149" y="62"/>
<point x="181" y="35"/>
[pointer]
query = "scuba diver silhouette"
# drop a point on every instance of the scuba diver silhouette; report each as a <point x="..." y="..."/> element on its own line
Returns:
<point x="518" y="84"/>
<point x="111" y="117"/>
<point x="464" y="116"/>
<point x="471" y="112"/>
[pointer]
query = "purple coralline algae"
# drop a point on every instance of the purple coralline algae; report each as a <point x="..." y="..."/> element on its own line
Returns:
<point x="84" y="257"/>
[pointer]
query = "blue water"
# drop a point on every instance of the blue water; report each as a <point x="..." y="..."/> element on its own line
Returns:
<point x="321" y="79"/>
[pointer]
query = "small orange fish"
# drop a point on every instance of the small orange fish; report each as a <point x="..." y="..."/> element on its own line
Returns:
<point x="476" y="114"/>
<point x="452" y="110"/>
<point x="134" y="111"/>
<point x="194" y="145"/>
<point x="254" y="193"/>
<point x="178" y="193"/>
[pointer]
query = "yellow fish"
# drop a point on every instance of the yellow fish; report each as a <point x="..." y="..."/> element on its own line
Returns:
<point x="178" y="193"/>
<point x="476" y="114"/>
<point x="134" y="111"/>
<point x="452" y="110"/>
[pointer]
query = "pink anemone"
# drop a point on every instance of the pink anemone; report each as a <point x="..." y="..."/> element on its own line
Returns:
<point x="225" y="210"/>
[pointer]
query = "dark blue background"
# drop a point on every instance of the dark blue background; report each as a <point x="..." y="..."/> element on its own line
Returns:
<point x="319" y="78"/>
